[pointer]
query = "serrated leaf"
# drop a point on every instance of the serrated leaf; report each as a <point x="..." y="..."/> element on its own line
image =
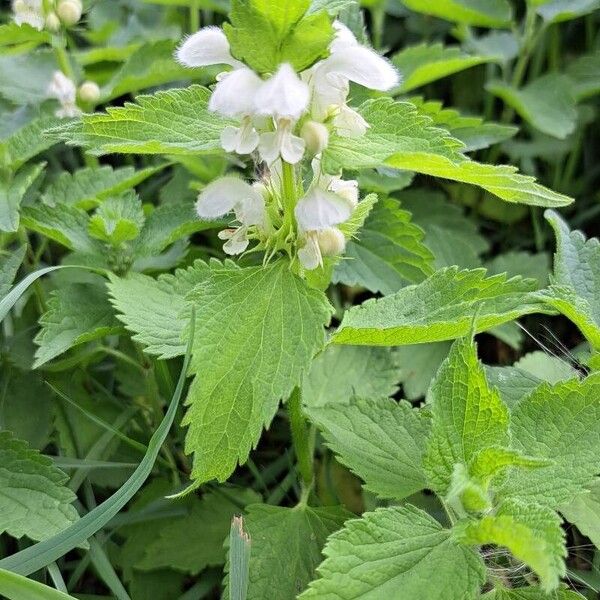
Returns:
<point x="393" y="549"/>
<point x="546" y="103"/>
<point x="388" y="253"/>
<point x="175" y="122"/>
<point x="12" y="34"/>
<point x="561" y="423"/>
<point x="244" y="371"/>
<point x="575" y="289"/>
<point x="76" y="314"/>
<point x="422" y="64"/>
<point x="118" y="219"/>
<point x="26" y="141"/>
<point x="192" y="543"/>
<point x="584" y="513"/>
<point x="512" y="383"/>
<point x="380" y="440"/>
<point x="153" y="308"/>
<point x="453" y="238"/>
<point x="67" y="226"/>
<point x="468" y="415"/>
<point x="532" y="533"/>
<point x="525" y="264"/>
<point x="341" y="372"/>
<point x="557" y="11"/>
<point x="493" y="460"/>
<point x="286" y="546"/>
<point x="474" y="132"/>
<point x="443" y="307"/>
<point x="34" y="501"/>
<point x="267" y="33"/>
<point x="546" y="367"/>
<point x="87" y="187"/>
<point x="483" y="13"/>
<point x="12" y="192"/>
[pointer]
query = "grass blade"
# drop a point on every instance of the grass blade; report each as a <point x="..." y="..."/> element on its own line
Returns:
<point x="43" y="553"/>
<point x="239" y="560"/>
<point x="17" y="587"/>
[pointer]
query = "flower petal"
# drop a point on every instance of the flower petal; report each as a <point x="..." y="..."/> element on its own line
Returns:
<point x="321" y="209"/>
<point x="310" y="254"/>
<point x="242" y="140"/>
<point x="62" y="88"/>
<point x="283" y="96"/>
<point x="219" y="197"/>
<point x="209" y="46"/>
<point x="348" y="123"/>
<point x="292" y="148"/>
<point x="344" y="38"/>
<point x="234" y="95"/>
<point x="346" y="188"/>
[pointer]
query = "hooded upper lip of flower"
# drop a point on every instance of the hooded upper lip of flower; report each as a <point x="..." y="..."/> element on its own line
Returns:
<point x="30" y="13"/>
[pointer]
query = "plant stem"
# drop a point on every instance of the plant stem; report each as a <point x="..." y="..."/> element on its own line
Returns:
<point x="194" y="16"/>
<point x="303" y="438"/>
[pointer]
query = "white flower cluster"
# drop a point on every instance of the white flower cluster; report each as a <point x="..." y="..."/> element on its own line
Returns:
<point x="49" y="15"/>
<point x="64" y="90"/>
<point x="283" y="117"/>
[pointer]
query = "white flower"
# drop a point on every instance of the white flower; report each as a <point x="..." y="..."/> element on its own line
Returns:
<point x="282" y="143"/>
<point x="283" y="96"/>
<point x="315" y="136"/>
<point x="330" y="79"/>
<point x="320" y="209"/>
<point x="63" y="89"/>
<point x="326" y="242"/>
<point x="346" y="188"/>
<point x="29" y="12"/>
<point x="349" y="123"/>
<point x="206" y="47"/>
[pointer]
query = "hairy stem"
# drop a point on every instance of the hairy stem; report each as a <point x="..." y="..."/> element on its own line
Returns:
<point x="303" y="439"/>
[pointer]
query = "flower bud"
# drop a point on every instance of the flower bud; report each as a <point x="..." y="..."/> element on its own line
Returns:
<point x="331" y="241"/>
<point x="52" y="22"/>
<point x="89" y="92"/>
<point x="19" y="6"/>
<point x="69" y="11"/>
<point x="315" y="135"/>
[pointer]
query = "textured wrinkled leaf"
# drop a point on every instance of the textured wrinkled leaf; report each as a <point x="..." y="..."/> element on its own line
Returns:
<point x="468" y="416"/>
<point x="286" y="546"/>
<point x="425" y="63"/>
<point x="76" y="314"/>
<point x="380" y="440"/>
<point x="12" y="192"/>
<point x="245" y="367"/>
<point x="546" y="103"/>
<point x="341" y="372"/>
<point x="532" y="533"/>
<point x="443" y="307"/>
<point x="525" y="264"/>
<point x="34" y="500"/>
<point x="153" y="309"/>
<point x="89" y="186"/>
<point x="388" y="253"/>
<point x="584" y="513"/>
<point x="560" y="422"/>
<point x="483" y="13"/>
<point x="174" y="122"/>
<point x="392" y="549"/>
<point x="118" y="219"/>
<point x="512" y="383"/>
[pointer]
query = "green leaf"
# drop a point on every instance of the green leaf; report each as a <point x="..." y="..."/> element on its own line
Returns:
<point x="192" y="543"/>
<point x="493" y="460"/>
<point x="153" y="309"/>
<point x="418" y="366"/>
<point x="267" y="33"/>
<point x="9" y="267"/>
<point x="443" y="307"/>
<point x="584" y="73"/>
<point x="388" y="253"/>
<point x="472" y="131"/>
<point x="531" y="593"/>
<point x="512" y="383"/>
<point x="557" y="11"/>
<point x="243" y="372"/>
<point x="525" y="264"/>
<point x="532" y="533"/>
<point x="240" y="548"/>
<point x="26" y="141"/>
<point x="546" y="367"/>
<point x="482" y="13"/>
<point x="12" y="192"/>
<point x="559" y="422"/>
<point x="34" y="500"/>
<point x="118" y="219"/>
<point x="392" y="549"/>
<point x="286" y="546"/>
<point x="381" y="441"/>
<point x="174" y="122"/>
<point x="17" y="587"/>
<point x="584" y="513"/>
<point x="24" y="78"/>
<point x="422" y="64"/>
<point x="453" y="238"/>
<point x="341" y="372"/>
<point x="76" y="314"/>
<point x="43" y="553"/>
<point x="12" y="34"/>
<point x="546" y="103"/>
<point x="88" y="187"/>
<point x="575" y="289"/>
<point x="468" y="416"/>
<point x="67" y="226"/>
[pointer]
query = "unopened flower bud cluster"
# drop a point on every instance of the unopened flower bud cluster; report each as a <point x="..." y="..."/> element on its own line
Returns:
<point x="50" y="15"/>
